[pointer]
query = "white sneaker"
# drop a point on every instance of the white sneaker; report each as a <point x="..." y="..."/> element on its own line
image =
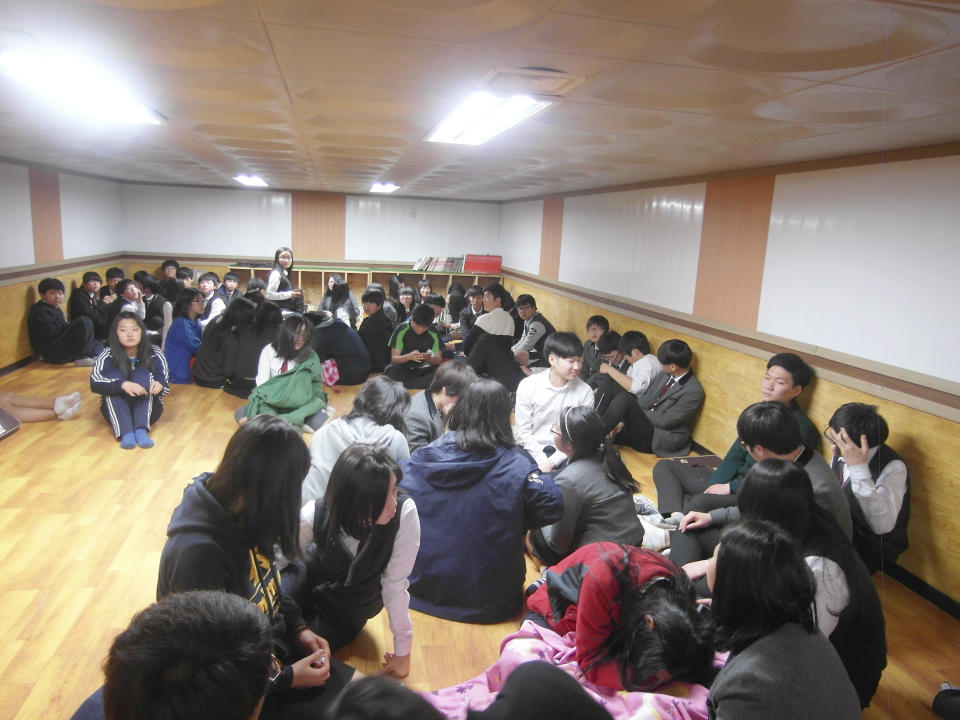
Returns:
<point x="654" y="538"/>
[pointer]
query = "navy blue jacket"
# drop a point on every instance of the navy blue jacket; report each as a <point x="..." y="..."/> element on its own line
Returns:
<point x="474" y="508"/>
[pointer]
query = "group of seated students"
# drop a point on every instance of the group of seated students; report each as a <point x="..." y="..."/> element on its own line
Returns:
<point x="430" y="502"/>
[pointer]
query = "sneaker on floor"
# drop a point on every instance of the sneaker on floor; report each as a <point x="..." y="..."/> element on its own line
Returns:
<point x="644" y="505"/>
<point x="85" y="362"/>
<point x="654" y="538"/>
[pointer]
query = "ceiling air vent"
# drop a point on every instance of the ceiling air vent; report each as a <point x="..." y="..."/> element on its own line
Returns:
<point x="533" y="81"/>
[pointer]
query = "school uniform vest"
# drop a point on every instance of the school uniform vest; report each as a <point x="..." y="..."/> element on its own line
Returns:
<point x="860" y="635"/>
<point x="878" y="550"/>
<point x="154" y="312"/>
<point x="548" y="329"/>
<point x="345" y="586"/>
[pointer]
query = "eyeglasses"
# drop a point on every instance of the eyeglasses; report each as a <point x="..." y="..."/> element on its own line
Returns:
<point x="555" y="431"/>
<point x="830" y="434"/>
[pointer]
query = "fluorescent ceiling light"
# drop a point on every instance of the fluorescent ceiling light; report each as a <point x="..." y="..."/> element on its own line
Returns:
<point x="387" y="187"/>
<point x="484" y="115"/>
<point x="78" y="87"/>
<point x="251" y="180"/>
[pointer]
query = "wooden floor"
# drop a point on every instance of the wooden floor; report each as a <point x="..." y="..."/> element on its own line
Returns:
<point x="82" y="523"/>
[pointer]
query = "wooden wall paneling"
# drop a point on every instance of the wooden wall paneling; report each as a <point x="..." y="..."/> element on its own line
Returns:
<point x="736" y="218"/>
<point x="551" y="238"/>
<point x="45" y="211"/>
<point x="15" y="300"/>
<point x="731" y="380"/>
<point x="318" y="226"/>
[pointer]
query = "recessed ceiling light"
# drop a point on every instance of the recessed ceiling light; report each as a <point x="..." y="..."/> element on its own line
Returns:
<point x="483" y="115"/>
<point x="250" y="180"/>
<point x="77" y="86"/>
<point x="387" y="187"/>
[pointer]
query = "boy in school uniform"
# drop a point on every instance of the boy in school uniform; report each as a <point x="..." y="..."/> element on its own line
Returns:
<point x="875" y="481"/>
<point x="428" y="411"/>
<point x="213" y="304"/>
<point x="415" y="350"/>
<point x="108" y="292"/>
<point x="682" y="487"/>
<point x="376" y="329"/>
<point x="473" y="310"/>
<point x="51" y="337"/>
<point x="488" y="347"/>
<point x="597" y="325"/>
<point x="169" y="287"/>
<point x="528" y="350"/>
<point x="658" y="420"/>
<point x="228" y="290"/>
<point x="128" y="298"/>
<point x="542" y="396"/>
<point x="628" y="367"/>
<point x="85" y="302"/>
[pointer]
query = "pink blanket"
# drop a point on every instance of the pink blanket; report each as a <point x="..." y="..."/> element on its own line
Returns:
<point x="674" y="701"/>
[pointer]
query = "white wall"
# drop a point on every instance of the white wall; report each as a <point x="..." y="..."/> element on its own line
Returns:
<point x="16" y="224"/>
<point x="403" y="229"/>
<point x="865" y="261"/>
<point x="521" y="229"/>
<point x="175" y="220"/>
<point x="639" y="244"/>
<point x="91" y="216"/>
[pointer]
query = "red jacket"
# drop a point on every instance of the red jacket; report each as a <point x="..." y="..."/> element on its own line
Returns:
<point x="582" y="594"/>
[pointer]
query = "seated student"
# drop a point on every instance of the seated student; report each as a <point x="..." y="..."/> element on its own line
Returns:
<point x="847" y="604"/>
<point x="658" y="420"/>
<point x="473" y="310"/>
<point x="408" y="300"/>
<point x="242" y="360"/>
<point x="780" y="665"/>
<point x="456" y="304"/>
<point x="218" y="341"/>
<point x="138" y="277"/>
<point x="597" y="491"/>
<point x="528" y="350"/>
<point x="543" y="396"/>
<point x="158" y="310"/>
<point x="26" y="408"/>
<point x="388" y="308"/>
<point x="488" y="346"/>
<point x="360" y="541"/>
<point x="183" y="339"/>
<point x="682" y="487"/>
<point x="289" y="378"/>
<point x="634" y="613"/>
<point x="169" y="287"/>
<point x="114" y="275"/>
<point x="438" y="305"/>
<point x="376" y="329"/>
<point x="415" y="350"/>
<point x="333" y="339"/>
<point x="429" y="409"/>
<point x="476" y="493"/>
<point x="597" y="325"/>
<point x="341" y="302"/>
<point x="629" y="367"/>
<point x="194" y="654"/>
<point x="131" y="377"/>
<point x="376" y="418"/>
<point x="85" y="302"/>
<point x="767" y="430"/>
<point x="213" y="304"/>
<point x="184" y="277"/>
<point x="128" y="299"/>
<point x="256" y="285"/>
<point x="51" y="337"/>
<point x="533" y="690"/>
<point x="228" y="533"/>
<point x="875" y="481"/>
<point x="424" y="288"/>
<point x="228" y="289"/>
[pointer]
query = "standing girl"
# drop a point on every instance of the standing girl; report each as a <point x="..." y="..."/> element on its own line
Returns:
<point x="280" y="287"/>
<point x="183" y="339"/>
<point x="361" y="541"/>
<point x="131" y="375"/>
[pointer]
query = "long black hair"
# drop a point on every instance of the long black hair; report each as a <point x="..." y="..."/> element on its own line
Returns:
<point x="582" y="427"/>
<point x="382" y="400"/>
<point x="258" y="483"/>
<point x="762" y="582"/>
<point x="185" y="298"/>
<point x="238" y="315"/>
<point x="144" y="356"/>
<point x="289" y="330"/>
<point x="284" y="272"/>
<point x="357" y="489"/>
<point x="660" y="628"/>
<point x="481" y="417"/>
<point x="340" y="297"/>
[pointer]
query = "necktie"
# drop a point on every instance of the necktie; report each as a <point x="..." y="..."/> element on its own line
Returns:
<point x="666" y="387"/>
<point x="283" y="368"/>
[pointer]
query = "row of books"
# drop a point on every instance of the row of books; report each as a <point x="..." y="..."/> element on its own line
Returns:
<point x="469" y="264"/>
